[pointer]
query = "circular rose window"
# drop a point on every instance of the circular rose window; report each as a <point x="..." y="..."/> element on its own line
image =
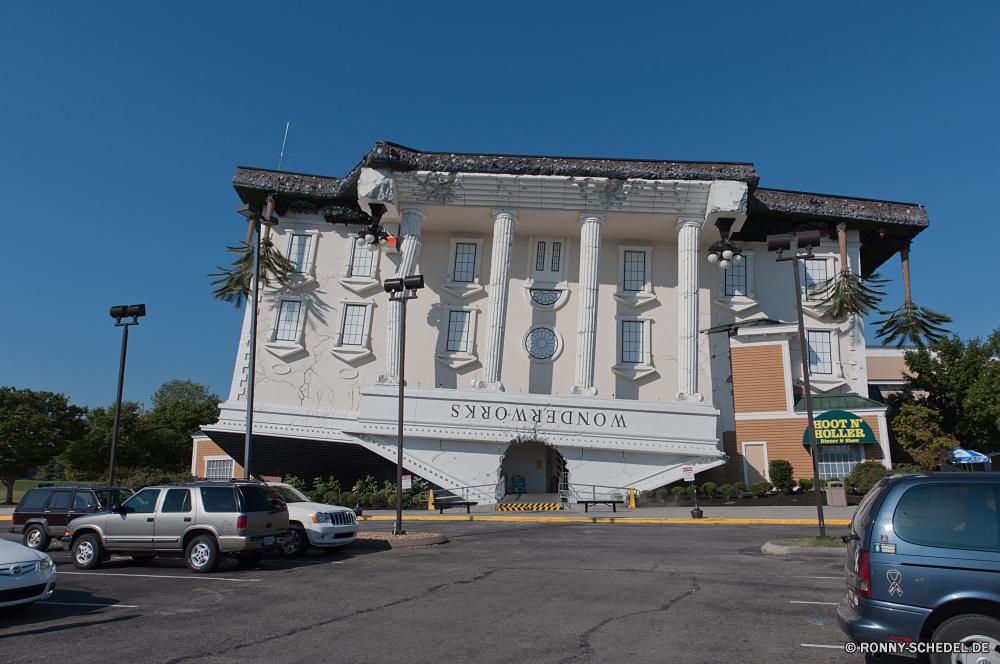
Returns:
<point x="541" y="343"/>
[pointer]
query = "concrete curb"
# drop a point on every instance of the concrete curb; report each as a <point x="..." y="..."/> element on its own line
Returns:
<point x="397" y="544"/>
<point x="607" y="519"/>
<point x="779" y="550"/>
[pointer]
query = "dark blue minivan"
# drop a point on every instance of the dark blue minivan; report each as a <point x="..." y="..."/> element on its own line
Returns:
<point x="923" y="564"/>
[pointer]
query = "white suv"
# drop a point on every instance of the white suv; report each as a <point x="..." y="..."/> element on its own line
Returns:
<point x="329" y="527"/>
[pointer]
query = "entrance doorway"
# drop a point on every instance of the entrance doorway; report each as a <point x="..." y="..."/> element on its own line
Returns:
<point x="532" y="467"/>
<point x="755" y="462"/>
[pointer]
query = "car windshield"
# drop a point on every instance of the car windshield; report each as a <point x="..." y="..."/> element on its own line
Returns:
<point x="291" y="495"/>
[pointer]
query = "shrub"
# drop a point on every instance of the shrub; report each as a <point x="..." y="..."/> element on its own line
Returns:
<point x="709" y="489"/>
<point x="760" y="489"/>
<point x="144" y="477"/>
<point x="902" y="468"/>
<point x="391" y="499"/>
<point x="806" y="484"/>
<point x="781" y="475"/>
<point x="371" y="499"/>
<point x="648" y="494"/>
<point x="741" y="489"/>
<point x="295" y="483"/>
<point x="678" y="491"/>
<point x="348" y="499"/>
<point x="322" y="490"/>
<point x="727" y="490"/>
<point x="416" y="502"/>
<point x="692" y="491"/>
<point x="662" y="494"/>
<point x="864" y="476"/>
<point x="367" y="485"/>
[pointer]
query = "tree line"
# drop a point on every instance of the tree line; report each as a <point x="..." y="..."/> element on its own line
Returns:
<point x="951" y="399"/>
<point x="42" y="430"/>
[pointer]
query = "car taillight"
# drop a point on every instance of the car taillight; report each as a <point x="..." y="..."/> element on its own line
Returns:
<point x="241" y="522"/>
<point x="860" y="581"/>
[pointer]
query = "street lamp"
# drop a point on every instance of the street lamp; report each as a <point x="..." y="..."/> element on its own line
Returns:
<point x="724" y="252"/>
<point x="133" y="311"/>
<point x="780" y="243"/>
<point x="401" y="290"/>
<point x="254" y="215"/>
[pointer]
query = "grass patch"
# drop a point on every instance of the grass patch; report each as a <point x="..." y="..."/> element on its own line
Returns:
<point x="812" y="542"/>
<point x="21" y="487"/>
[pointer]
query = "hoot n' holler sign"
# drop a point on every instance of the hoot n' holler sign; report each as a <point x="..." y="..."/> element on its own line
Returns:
<point x="839" y="427"/>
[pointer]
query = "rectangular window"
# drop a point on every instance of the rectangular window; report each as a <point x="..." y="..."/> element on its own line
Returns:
<point x="820" y="352"/>
<point x="632" y="341"/>
<point x="219" y="469"/>
<point x="458" y="331"/>
<point x="816" y="274"/>
<point x="362" y="261"/>
<point x="177" y="500"/>
<point x="736" y="279"/>
<point x="838" y="460"/>
<point x="35" y="500"/>
<point x="953" y="516"/>
<point x="635" y="270"/>
<point x="354" y="325"/>
<point x="60" y="500"/>
<point x="299" y="251"/>
<point x="288" y="320"/>
<point x="465" y="263"/>
<point x="540" y="257"/>
<point x="556" y="253"/>
<point x="218" y="499"/>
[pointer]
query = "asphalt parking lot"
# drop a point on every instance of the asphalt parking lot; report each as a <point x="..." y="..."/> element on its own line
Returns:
<point x="498" y="592"/>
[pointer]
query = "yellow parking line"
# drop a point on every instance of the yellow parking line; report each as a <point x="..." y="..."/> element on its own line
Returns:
<point x="605" y="519"/>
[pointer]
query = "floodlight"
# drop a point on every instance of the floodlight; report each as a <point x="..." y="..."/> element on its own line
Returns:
<point x="779" y="243"/>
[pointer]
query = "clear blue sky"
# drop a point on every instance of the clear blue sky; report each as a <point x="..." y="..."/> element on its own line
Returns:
<point x="122" y="125"/>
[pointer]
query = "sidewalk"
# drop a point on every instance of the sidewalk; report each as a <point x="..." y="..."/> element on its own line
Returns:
<point x="838" y="516"/>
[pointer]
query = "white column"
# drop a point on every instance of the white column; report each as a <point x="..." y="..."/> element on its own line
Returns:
<point x="688" y="231"/>
<point x="591" y="226"/>
<point x="496" y="309"/>
<point x="406" y="266"/>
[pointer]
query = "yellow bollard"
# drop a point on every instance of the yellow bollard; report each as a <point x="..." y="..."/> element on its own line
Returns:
<point x="631" y="497"/>
<point x="430" y="500"/>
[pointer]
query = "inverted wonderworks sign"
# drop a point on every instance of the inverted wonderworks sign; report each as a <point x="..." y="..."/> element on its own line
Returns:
<point x="839" y="427"/>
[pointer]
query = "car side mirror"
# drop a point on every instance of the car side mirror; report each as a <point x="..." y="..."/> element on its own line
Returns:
<point x="119" y="509"/>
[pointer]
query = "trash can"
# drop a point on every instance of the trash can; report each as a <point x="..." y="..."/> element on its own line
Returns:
<point x="836" y="496"/>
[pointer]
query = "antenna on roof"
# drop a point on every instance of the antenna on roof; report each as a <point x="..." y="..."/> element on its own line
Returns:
<point x="283" y="145"/>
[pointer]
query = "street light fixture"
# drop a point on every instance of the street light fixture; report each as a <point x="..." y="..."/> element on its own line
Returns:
<point x="779" y="244"/>
<point x="133" y="311"/>
<point x="724" y="252"/>
<point x="254" y="215"/>
<point x="401" y="290"/>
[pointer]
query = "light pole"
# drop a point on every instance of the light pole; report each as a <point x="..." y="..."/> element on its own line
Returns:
<point x="401" y="290"/>
<point x="255" y="217"/>
<point x="780" y="243"/>
<point x="133" y="311"/>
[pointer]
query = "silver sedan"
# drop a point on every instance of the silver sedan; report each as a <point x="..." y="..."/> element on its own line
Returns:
<point x="26" y="575"/>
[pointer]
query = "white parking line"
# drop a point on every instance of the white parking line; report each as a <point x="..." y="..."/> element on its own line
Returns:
<point x="839" y="578"/>
<point x="819" y="645"/>
<point x="117" y="606"/>
<point x="160" y="576"/>
<point x="824" y="603"/>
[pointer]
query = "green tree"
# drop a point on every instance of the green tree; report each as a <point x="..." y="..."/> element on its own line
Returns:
<point x="180" y="408"/>
<point x="34" y="428"/>
<point x="918" y="430"/>
<point x="960" y="382"/>
<point x="90" y="455"/>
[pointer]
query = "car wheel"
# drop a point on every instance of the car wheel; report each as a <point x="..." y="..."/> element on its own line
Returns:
<point x="88" y="552"/>
<point x="142" y="559"/>
<point x="968" y="629"/>
<point x="249" y="558"/>
<point x="202" y="554"/>
<point x="295" y="545"/>
<point x="36" y="538"/>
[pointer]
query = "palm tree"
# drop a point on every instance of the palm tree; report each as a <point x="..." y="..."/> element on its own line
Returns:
<point x="235" y="282"/>
<point x="911" y="323"/>
<point x="846" y="292"/>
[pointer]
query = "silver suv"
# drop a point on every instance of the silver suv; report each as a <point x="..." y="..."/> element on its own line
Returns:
<point x="202" y="521"/>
